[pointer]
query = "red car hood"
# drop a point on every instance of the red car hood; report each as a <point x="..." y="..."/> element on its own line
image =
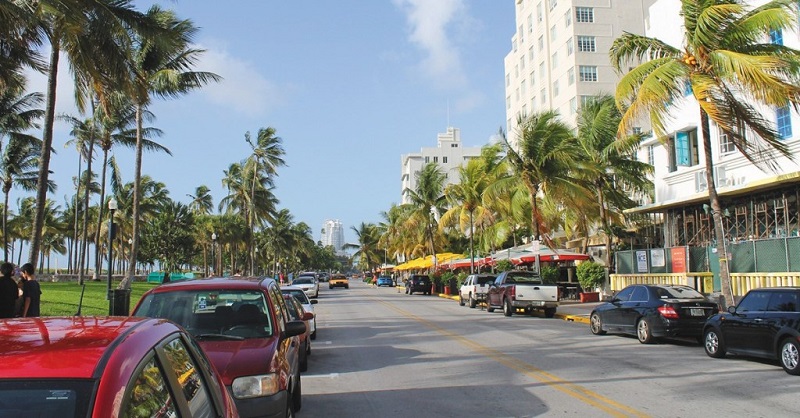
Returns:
<point x="248" y="357"/>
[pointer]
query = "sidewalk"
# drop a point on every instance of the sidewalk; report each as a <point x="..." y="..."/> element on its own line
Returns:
<point x="568" y="310"/>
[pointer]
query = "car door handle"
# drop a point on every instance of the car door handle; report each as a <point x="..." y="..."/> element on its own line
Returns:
<point x="757" y="319"/>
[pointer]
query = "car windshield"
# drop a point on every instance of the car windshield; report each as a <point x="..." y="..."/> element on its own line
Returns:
<point x="303" y="280"/>
<point x="523" y="277"/>
<point x="483" y="280"/>
<point x="45" y="398"/>
<point x="206" y="313"/>
<point x="678" y="292"/>
<point x="298" y="294"/>
<point x="291" y="307"/>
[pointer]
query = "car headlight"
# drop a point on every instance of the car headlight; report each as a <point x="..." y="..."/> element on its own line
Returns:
<point x="253" y="386"/>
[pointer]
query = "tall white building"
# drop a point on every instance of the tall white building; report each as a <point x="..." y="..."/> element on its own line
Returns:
<point x="559" y="53"/>
<point x="449" y="154"/>
<point x="333" y="235"/>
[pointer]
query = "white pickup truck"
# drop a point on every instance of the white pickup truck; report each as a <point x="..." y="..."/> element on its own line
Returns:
<point x="518" y="289"/>
<point x="474" y="289"/>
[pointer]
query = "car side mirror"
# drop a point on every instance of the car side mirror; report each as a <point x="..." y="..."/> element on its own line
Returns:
<point x="314" y="301"/>
<point x="732" y="309"/>
<point x="294" y="328"/>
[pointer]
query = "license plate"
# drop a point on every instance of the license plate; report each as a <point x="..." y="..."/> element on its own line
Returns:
<point x="697" y="312"/>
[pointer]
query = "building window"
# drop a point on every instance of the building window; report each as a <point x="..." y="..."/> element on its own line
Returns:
<point x="541" y="70"/>
<point x="516" y="94"/>
<point x="453" y="145"/>
<point x="508" y="105"/>
<point x="776" y="36"/>
<point x="586" y="44"/>
<point x="524" y="110"/>
<point x="522" y="62"/>
<point x="725" y="143"/>
<point x="444" y="160"/>
<point x="555" y="88"/>
<point x="436" y="159"/>
<point x="541" y="43"/>
<point x="539" y="12"/>
<point x="570" y="47"/>
<point x="571" y="76"/>
<point x="552" y="33"/>
<point x="514" y="44"/>
<point x="686" y="148"/>
<point x="573" y="105"/>
<point x="587" y="73"/>
<point x="584" y="14"/>
<point x="530" y="54"/>
<point x="521" y="35"/>
<point x="568" y="18"/>
<point x="508" y="80"/>
<point x="585" y="99"/>
<point x="516" y="71"/>
<point x="554" y="60"/>
<point x="522" y="87"/>
<point x="530" y="23"/>
<point x="544" y="96"/>
<point x="533" y="78"/>
<point x="427" y="160"/>
<point x="553" y="4"/>
<point x="784" y="121"/>
<point x="651" y="155"/>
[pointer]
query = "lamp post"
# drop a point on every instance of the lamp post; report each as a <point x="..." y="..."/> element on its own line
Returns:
<point x="112" y="206"/>
<point x="213" y="254"/>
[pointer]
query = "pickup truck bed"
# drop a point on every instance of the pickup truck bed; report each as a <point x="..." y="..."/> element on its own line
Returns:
<point x="518" y="289"/>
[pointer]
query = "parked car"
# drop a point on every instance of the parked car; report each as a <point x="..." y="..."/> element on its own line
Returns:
<point x="519" y="289"/>
<point x="106" y="367"/>
<point x="765" y="323"/>
<point x="418" y="283"/>
<point x="653" y="311"/>
<point x="474" y="289"/>
<point x="243" y="326"/>
<point x="338" y="280"/>
<point x="309" y="284"/>
<point x="324" y="276"/>
<point x="298" y="313"/>
<point x="308" y="304"/>
<point x="385" y="281"/>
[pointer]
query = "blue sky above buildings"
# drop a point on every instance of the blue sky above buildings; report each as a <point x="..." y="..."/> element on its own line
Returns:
<point x="349" y="85"/>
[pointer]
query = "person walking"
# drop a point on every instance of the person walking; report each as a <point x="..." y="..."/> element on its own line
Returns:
<point x="31" y="292"/>
<point x="9" y="291"/>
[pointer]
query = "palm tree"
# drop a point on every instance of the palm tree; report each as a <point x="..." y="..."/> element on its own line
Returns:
<point x="544" y="160"/>
<point x="367" y="249"/>
<point x="733" y="72"/>
<point x="202" y="202"/>
<point x="161" y="68"/>
<point x="614" y="172"/>
<point x="19" y="159"/>
<point x="428" y="201"/>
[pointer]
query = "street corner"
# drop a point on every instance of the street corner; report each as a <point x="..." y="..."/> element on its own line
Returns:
<point x="583" y="319"/>
<point x="446" y="296"/>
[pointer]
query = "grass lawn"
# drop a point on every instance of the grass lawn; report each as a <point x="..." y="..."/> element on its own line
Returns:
<point x="61" y="298"/>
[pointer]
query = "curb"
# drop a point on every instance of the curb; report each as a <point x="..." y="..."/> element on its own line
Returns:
<point x="583" y="319"/>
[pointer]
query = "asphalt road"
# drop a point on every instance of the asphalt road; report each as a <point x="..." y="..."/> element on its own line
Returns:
<point x="380" y="353"/>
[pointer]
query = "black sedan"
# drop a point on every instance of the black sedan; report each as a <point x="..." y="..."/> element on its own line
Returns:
<point x="653" y="311"/>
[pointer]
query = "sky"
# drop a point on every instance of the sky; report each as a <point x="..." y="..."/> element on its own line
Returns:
<point x="349" y="86"/>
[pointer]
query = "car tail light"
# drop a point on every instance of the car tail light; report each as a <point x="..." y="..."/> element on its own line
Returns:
<point x="668" y="312"/>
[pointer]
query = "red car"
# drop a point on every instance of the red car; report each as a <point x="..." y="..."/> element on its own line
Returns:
<point x="297" y="312"/>
<point x="106" y="367"/>
<point x="243" y="326"/>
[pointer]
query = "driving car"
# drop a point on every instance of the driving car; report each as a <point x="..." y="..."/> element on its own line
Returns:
<point x="106" y="367"/>
<point x="338" y="280"/>
<point x="418" y="283"/>
<point x="765" y="323"/>
<point x="297" y="312"/>
<point x="309" y="284"/>
<point x="308" y="304"/>
<point x="653" y="311"/>
<point x="474" y="289"/>
<point x="243" y="326"/>
<point x="385" y="281"/>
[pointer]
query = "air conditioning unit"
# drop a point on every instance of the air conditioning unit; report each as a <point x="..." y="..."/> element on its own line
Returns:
<point x="700" y="183"/>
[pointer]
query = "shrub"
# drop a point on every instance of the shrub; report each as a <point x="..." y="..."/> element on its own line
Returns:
<point x="591" y="275"/>
<point x="503" y="265"/>
<point x="461" y="277"/>
<point x="549" y="273"/>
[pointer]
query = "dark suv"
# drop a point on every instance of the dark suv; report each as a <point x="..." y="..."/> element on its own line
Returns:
<point x="765" y="323"/>
<point x="418" y="283"/>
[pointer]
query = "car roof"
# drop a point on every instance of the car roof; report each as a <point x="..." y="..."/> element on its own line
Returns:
<point x="232" y="283"/>
<point x="76" y="347"/>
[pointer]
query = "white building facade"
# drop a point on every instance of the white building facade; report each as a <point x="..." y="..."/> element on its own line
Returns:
<point x="333" y="235"/>
<point x="449" y="154"/>
<point x="559" y="53"/>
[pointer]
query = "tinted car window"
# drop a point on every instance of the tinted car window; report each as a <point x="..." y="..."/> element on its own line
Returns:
<point x="148" y="396"/>
<point x="45" y="398"/>
<point x="482" y="280"/>
<point x="754" y="301"/>
<point x="639" y="294"/>
<point x="303" y="280"/>
<point x="625" y="294"/>
<point x="678" y="292"/>
<point x="784" y="302"/>
<point x="193" y="386"/>
<point x="523" y="278"/>
<point x="298" y="294"/>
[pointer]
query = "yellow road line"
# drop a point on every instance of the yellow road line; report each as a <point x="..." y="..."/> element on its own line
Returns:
<point x="579" y="392"/>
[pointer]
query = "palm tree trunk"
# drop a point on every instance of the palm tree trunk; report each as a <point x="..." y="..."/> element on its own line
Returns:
<point x="44" y="160"/>
<point x="74" y="244"/>
<point x="100" y="212"/>
<point x="606" y="231"/>
<point x="5" y="224"/>
<point x="716" y="213"/>
<point x="137" y="182"/>
<point x="471" y="245"/>
<point x="85" y="226"/>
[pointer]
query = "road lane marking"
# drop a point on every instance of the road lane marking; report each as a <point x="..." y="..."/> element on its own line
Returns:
<point x="576" y="391"/>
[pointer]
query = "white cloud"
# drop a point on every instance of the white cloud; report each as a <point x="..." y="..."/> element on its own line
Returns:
<point x="243" y="88"/>
<point x="429" y="22"/>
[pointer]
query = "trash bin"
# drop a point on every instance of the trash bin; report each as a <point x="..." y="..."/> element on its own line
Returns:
<point x="121" y="302"/>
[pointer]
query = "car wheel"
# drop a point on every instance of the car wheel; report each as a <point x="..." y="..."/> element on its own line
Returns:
<point x="549" y="312"/>
<point x="461" y="300"/>
<point x="347" y="287"/>
<point x="713" y="344"/>
<point x="297" y="396"/>
<point x="314" y="335"/>
<point x="596" y="324"/>
<point x="508" y="310"/>
<point x="790" y="356"/>
<point x="643" y="331"/>
<point x="472" y="302"/>
<point x="303" y="360"/>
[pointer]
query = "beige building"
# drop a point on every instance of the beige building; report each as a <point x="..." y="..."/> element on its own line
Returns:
<point x="559" y="53"/>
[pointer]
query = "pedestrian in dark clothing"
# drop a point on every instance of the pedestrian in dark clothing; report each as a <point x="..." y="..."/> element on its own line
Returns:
<point x="9" y="292"/>
<point x="31" y="292"/>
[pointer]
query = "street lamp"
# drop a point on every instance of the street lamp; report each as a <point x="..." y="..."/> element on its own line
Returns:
<point x="213" y="255"/>
<point x="112" y="206"/>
